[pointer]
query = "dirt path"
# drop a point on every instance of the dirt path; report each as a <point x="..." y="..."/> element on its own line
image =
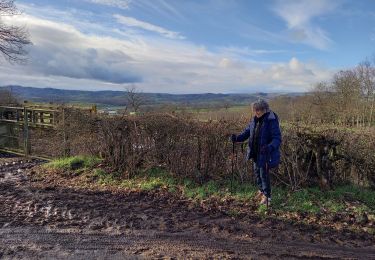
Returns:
<point x="38" y="220"/>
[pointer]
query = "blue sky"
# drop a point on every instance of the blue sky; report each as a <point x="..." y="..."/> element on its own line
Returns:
<point x="191" y="46"/>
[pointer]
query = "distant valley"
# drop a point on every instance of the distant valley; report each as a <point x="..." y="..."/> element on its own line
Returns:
<point x="118" y="98"/>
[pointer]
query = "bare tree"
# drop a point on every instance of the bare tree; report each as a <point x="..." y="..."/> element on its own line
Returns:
<point x="227" y="105"/>
<point x="13" y="39"/>
<point x="366" y="74"/>
<point x="134" y="98"/>
<point x="346" y="85"/>
<point x="7" y="97"/>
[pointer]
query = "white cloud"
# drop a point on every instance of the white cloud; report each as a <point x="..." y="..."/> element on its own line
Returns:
<point x="164" y="8"/>
<point x="122" y="4"/>
<point x="61" y="50"/>
<point x="299" y="16"/>
<point x="63" y="56"/>
<point x="132" y="22"/>
<point x="246" y="51"/>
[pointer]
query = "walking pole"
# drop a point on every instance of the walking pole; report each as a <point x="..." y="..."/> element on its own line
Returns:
<point x="268" y="177"/>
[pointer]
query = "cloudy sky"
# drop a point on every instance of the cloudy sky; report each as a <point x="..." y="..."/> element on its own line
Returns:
<point x="190" y="46"/>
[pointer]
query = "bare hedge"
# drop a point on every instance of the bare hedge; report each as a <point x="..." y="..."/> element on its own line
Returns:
<point x="187" y="147"/>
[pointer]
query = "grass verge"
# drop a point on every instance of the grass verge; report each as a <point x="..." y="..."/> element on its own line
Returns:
<point x="310" y="200"/>
<point x="73" y="163"/>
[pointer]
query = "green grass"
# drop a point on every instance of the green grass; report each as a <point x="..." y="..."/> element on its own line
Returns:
<point x="310" y="200"/>
<point x="73" y="163"/>
<point x="301" y="201"/>
<point x="313" y="200"/>
<point x="149" y="180"/>
<point x="106" y="178"/>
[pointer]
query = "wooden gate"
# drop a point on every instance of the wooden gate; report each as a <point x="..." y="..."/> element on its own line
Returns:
<point x="16" y="122"/>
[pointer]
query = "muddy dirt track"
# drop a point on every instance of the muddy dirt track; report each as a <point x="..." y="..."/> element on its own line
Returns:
<point x="40" y="220"/>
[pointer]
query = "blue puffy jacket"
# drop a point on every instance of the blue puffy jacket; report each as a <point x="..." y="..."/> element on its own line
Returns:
<point x="270" y="139"/>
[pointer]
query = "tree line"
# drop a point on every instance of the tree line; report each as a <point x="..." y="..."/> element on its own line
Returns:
<point x="348" y="99"/>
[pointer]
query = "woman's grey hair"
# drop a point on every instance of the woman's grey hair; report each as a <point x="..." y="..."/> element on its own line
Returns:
<point x="261" y="105"/>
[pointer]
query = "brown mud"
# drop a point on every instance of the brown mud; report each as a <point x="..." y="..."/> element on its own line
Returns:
<point x="39" y="219"/>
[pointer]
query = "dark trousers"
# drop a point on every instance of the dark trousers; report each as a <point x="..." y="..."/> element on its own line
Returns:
<point x="263" y="179"/>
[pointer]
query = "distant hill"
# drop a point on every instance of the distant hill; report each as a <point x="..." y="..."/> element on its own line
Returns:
<point x="118" y="98"/>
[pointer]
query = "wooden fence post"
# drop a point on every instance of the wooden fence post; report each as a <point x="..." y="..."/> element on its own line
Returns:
<point x="26" y="145"/>
<point x="65" y="136"/>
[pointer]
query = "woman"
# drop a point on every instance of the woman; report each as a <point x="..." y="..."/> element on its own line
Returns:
<point x="264" y="137"/>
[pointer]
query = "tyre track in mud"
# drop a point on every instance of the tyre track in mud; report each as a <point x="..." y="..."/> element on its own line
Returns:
<point x="54" y="221"/>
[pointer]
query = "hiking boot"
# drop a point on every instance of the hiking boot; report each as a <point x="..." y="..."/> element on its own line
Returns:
<point x="258" y="196"/>
<point x="265" y="200"/>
